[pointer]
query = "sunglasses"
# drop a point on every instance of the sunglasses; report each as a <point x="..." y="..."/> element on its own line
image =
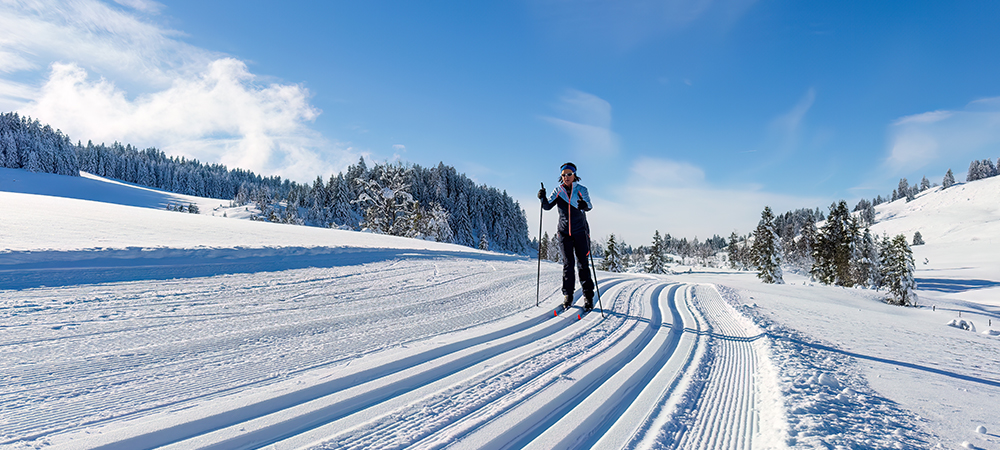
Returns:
<point x="568" y="174"/>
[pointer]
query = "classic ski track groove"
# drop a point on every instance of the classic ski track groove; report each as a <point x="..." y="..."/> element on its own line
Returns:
<point x="541" y="381"/>
<point x="523" y="375"/>
<point x="726" y="410"/>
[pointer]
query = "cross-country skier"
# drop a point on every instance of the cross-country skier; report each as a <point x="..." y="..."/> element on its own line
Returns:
<point x="573" y="201"/>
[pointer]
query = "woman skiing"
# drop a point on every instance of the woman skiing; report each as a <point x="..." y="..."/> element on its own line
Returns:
<point x="573" y="201"/>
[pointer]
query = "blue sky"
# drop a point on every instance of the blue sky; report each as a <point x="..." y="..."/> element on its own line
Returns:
<point x="686" y="116"/>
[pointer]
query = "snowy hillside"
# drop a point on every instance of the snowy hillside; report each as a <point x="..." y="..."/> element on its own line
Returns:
<point x="961" y="228"/>
<point x="124" y="325"/>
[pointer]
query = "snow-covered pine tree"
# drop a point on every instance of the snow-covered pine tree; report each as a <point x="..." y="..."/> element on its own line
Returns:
<point x="865" y="266"/>
<point x="980" y="169"/>
<point x="925" y="184"/>
<point x="897" y="272"/>
<point x="949" y="179"/>
<point x="555" y="248"/>
<point x="543" y="247"/>
<point x="655" y="258"/>
<point x="767" y="249"/>
<point x="834" y="247"/>
<point x="918" y="239"/>
<point x="734" y="250"/>
<point x="613" y="258"/>
<point x="386" y="198"/>
<point x="904" y="190"/>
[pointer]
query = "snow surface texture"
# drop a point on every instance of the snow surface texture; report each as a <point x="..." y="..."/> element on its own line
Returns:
<point x="124" y="325"/>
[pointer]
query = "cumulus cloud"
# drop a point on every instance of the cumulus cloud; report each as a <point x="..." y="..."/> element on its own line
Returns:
<point x="105" y="73"/>
<point x="586" y="118"/>
<point x="220" y="115"/>
<point x="943" y="137"/>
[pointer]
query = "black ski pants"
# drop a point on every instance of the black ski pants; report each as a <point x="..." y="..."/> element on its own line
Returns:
<point x="576" y="249"/>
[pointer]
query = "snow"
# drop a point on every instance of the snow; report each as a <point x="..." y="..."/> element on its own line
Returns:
<point x="125" y="325"/>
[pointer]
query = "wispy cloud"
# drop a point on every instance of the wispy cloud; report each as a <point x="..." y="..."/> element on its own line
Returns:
<point x="786" y="128"/>
<point x="586" y="118"/>
<point x="105" y="73"/>
<point x="626" y="24"/>
<point x="941" y="136"/>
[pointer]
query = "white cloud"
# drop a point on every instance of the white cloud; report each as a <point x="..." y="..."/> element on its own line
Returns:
<point x="99" y="37"/>
<point x="944" y="137"/>
<point x="106" y="73"/>
<point x="662" y="172"/>
<point x="587" y="121"/>
<point x="146" y="6"/>
<point x="221" y="115"/>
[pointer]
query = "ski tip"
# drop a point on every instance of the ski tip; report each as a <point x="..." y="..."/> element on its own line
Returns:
<point x="555" y="313"/>
<point x="578" y="317"/>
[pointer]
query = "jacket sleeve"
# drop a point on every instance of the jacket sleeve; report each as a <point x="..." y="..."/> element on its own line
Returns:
<point x="548" y="203"/>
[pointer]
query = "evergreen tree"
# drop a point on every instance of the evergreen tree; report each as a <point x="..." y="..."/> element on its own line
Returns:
<point x="735" y="257"/>
<point x="918" y="239"/>
<point x="897" y="272"/>
<point x="555" y="248"/>
<point x="806" y="243"/>
<point x="949" y="179"/>
<point x="904" y="190"/>
<point x="655" y="258"/>
<point x="866" y="260"/>
<point x="834" y="247"/>
<point x="767" y="249"/>
<point x="543" y="247"/>
<point x="924" y="184"/>
<point x="613" y="258"/>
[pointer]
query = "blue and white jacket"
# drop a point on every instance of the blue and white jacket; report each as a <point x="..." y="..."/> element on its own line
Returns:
<point x="572" y="220"/>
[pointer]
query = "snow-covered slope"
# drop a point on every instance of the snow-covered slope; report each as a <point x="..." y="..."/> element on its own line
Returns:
<point x="961" y="228"/>
<point x="124" y="325"/>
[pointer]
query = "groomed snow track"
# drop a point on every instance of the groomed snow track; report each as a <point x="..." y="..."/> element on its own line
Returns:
<point x="441" y="353"/>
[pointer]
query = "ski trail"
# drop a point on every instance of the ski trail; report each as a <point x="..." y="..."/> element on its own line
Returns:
<point x="349" y="358"/>
<point x="467" y="393"/>
<point x="727" y="414"/>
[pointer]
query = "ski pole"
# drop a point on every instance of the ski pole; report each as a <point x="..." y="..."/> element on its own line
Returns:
<point x="538" y="280"/>
<point x="593" y="269"/>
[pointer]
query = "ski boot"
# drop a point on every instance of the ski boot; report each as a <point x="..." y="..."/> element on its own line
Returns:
<point x="567" y="302"/>
<point x="589" y="303"/>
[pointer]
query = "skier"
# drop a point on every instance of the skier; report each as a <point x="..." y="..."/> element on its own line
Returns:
<point x="574" y="232"/>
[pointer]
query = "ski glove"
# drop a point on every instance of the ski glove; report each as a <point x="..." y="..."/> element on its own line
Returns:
<point x="541" y="194"/>
<point x="581" y="205"/>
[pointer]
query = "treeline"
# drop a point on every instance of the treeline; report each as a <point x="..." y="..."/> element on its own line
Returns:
<point x="437" y="203"/>
<point x="618" y="256"/>
<point x="27" y="144"/>
<point x="405" y="200"/>
<point x="842" y="252"/>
